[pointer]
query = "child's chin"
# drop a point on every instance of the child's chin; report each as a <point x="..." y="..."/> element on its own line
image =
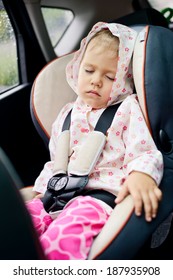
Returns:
<point x="95" y="106"/>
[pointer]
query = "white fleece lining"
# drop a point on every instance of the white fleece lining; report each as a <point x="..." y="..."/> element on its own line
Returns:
<point x="62" y="153"/>
<point x="88" y="155"/>
<point x="138" y="70"/>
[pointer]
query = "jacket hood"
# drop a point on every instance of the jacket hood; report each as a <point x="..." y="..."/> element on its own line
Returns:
<point x="123" y="82"/>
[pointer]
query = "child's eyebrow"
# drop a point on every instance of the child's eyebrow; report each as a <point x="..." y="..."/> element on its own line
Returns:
<point x="88" y="64"/>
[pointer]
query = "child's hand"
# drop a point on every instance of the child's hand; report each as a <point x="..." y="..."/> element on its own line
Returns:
<point x="145" y="194"/>
<point x="40" y="195"/>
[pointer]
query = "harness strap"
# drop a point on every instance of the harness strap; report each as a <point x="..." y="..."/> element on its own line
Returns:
<point x="62" y="153"/>
<point x="61" y="187"/>
<point x="103" y="123"/>
<point x="66" y="124"/>
<point x="102" y="195"/>
<point x="105" y="120"/>
<point x="88" y="155"/>
<point x="94" y="145"/>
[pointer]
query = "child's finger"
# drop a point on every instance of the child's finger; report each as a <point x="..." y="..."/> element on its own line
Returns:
<point x="137" y="202"/>
<point x="154" y="203"/>
<point x="158" y="193"/>
<point x="122" y="194"/>
<point x="147" y="206"/>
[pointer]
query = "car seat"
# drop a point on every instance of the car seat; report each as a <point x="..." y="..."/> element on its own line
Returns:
<point x="18" y="239"/>
<point x="152" y="70"/>
<point x="125" y="235"/>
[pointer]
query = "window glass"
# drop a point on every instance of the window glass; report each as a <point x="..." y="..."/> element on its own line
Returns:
<point x="160" y="4"/>
<point x="8" y="53"/>
<point x="57" y="21"/>
<point x="166" y="7"/>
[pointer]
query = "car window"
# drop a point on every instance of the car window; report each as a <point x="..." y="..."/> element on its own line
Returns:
<point x="160" y="4"/>
<point x="8" y="53"/>
<point x="165" y="7"/>
<point x="57" y="21"/>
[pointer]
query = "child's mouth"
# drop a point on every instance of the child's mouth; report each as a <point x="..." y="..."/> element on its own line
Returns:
<point x="93" y="92"/>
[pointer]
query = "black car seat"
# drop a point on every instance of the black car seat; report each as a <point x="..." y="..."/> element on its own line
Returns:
<point x="42" y="114"/>
<point x="153" y="72"/>
<point x="19" y="240"/>
<point x="127" y="236"/>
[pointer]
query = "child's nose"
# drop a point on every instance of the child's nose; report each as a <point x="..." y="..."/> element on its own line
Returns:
<point x="96" y="80"/>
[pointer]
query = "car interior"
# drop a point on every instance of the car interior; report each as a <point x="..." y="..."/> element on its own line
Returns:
<point x="29" y="109"/>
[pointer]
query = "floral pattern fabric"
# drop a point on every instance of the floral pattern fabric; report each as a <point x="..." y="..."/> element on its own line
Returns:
<point x="129" y="146"/>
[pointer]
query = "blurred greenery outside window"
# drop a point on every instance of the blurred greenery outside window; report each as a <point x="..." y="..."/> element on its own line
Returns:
<point x="57" y="21"/>
<point x="165" y="7"/>
<point x="8" y="53"/>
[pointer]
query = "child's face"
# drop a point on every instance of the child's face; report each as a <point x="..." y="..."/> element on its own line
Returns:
<point x="96" y="75"/>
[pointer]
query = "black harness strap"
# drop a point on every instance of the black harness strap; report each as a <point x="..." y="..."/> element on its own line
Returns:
<point x="103" y="123"/>
<point x="102" y="195"/>
<point x="105" y="120"/>
<point x="66" y="124"/>
<point x="61" y="187"/>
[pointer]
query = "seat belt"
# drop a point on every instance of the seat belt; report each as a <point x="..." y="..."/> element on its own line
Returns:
<point x="62" y="187"/>
<point x="103" y="123"/>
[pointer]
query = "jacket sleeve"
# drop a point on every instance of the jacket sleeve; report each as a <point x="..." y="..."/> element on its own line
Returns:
<point x="141" y="152"/>
<point x="40" y="184"/>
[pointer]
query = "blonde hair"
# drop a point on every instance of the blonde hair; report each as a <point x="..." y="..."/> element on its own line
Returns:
<point x="106" y="39"/>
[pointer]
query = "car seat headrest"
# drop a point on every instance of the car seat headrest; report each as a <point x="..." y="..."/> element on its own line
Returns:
<point x="50" y="92"/>
<point x="153" y="72"/>
<point x="148" y="16"/>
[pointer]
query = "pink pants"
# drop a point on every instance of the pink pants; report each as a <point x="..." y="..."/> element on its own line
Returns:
<point x="70" y="235"/>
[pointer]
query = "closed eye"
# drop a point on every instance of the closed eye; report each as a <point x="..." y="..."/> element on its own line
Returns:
<point x="89" y="71"/>
<point x="110" y="78"/>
